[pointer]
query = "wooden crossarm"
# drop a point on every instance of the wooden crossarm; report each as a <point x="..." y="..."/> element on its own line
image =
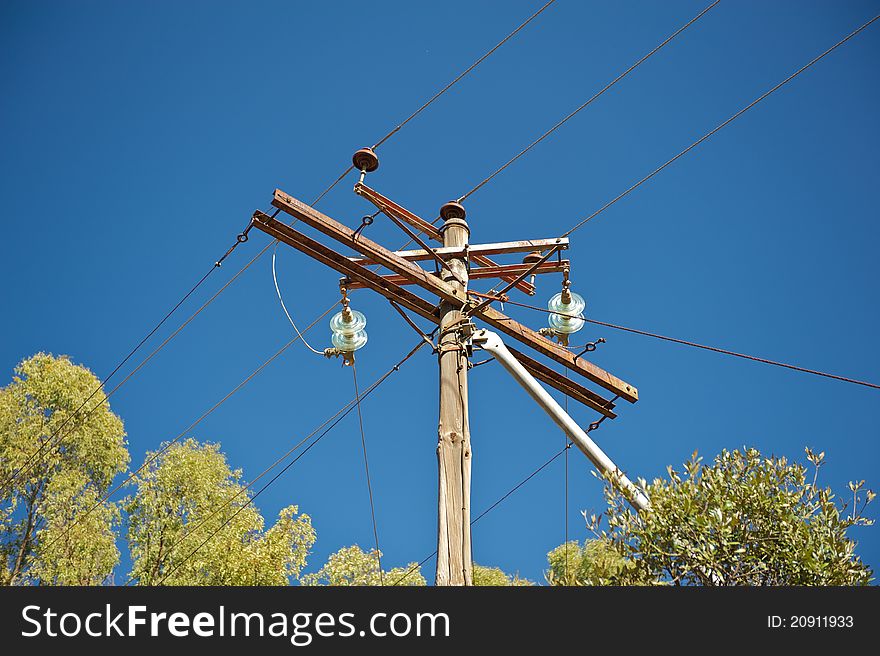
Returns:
<point x="343" y="265"/>
<point x="415" y="304"/>
<point x="477" y="250"/>
<point x="488" y="272"/>
<point x="447" y="292"/>
<point x="387" y="205"/>
<point x="555" y="352"/>
<point x="379" y="254"/>
<point x="400" y="212"/>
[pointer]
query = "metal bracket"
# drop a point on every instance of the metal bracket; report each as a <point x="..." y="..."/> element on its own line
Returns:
<point x="347" y="356"/>
<point x="561" y="338"/>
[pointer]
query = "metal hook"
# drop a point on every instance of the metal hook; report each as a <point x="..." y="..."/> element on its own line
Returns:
<point x="365" y="221"/>
<point x="590" y="346"/>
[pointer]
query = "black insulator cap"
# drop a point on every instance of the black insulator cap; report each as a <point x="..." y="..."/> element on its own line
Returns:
<point x="365" y="160"/>
<point x="531" y="258"/>
<point x="452" y="210"/>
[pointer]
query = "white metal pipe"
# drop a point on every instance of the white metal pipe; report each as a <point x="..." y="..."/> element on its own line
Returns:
<point x="492" y="343"/>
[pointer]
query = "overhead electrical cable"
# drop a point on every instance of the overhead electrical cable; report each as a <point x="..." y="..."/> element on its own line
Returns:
<point x="489" y="509"/>
<point x="357" y="396"/>
<point x="714" y="349"/>
<point x="409" y="118"/>
<point x="253" y="498"/>
<point x="440" y="93"/>
<point x="55" y="440"/>
<point x="586" y="103"/>
<point x="243" y="236"/>
<point x="571" y="115"/>
<point x="720" y="126"/>
<point x="168" y="445"/>
<point x="343" y="411"/>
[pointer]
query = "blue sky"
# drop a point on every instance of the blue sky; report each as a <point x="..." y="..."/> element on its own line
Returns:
<point x="138" y="138"/>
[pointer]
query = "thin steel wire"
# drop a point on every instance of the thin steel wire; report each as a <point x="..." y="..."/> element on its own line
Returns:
<point x="587" y="103"/>
<point x="462" y="74"/>
<point x="489" y="509"/>
<point x="436" y="96"/>
<point x="714" y="349"/>
<point x="720" y="126"/>
<point x="344" y="409"/>
<point x="58" y="438"/>
<point x="384" y="377"/>
<point x="360" y="415"/>
<point x="168" y="445"/>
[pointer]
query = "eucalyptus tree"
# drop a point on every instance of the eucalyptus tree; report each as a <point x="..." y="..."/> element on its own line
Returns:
<point x="191" y="522"/>
<point x="354" y="566"/>
<point x="60" y="448"/>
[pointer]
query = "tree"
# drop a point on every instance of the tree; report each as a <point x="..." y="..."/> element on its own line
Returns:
<point x="353" y="566"/>
<point x="744" y="519"/>
<point x="494" y="576"/>
<point x="57" y="460"/>
<point x="596" y="562"/>
<point x="190" y="523"/>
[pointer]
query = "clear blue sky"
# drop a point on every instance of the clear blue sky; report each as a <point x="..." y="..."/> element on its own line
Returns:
<point x="138" y="138"/>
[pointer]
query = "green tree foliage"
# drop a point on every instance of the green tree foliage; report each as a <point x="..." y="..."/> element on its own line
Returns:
<point x="596" y="562"/>
<point x="46" y="537"/>
<point x="494" y="576"/>
<point x="187" y="493"/>
<point x="353" y="566"/>
<point x="744" y="519"/>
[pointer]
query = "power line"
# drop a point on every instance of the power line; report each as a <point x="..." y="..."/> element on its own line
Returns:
<point x="525" y="150"/>
<point x="721" y="125"/>
<point x="463" y="74"/>
<point x="317" y="199"/>
<point x="587" y="103"/>
<point x="188" y="428"/>
<point x="357" y="396"/>
<point x="245" y="488"/>
<point x="437" y="95"/>
<point x="384" y="377"/>
<point x="705" y="347"/>
<point x="491" y="508"/>
<point x="57" y="438"/>
<point x="344" y="410"/>
<point x="243" y="236"/>
<point x="521" y="483"/>
<point x="409" y="118"/>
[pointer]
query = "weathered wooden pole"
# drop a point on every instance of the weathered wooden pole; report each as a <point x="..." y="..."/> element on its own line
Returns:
<point x="454" y="565"/>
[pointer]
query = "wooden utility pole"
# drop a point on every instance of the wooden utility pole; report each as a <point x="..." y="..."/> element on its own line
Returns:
<point x="454" y="563"/>
<point x="454" y="308"/>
